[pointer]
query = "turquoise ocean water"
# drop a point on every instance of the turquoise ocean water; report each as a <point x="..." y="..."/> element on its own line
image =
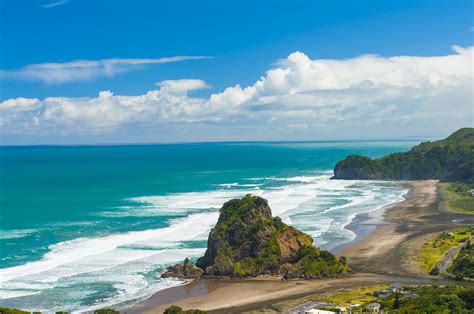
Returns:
<point x="94" y="226"/>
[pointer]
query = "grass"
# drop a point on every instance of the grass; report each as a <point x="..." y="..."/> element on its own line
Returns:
<point x="433" y="251"/>
<point x="458" y="197"/>
<point x="361" y="295"/>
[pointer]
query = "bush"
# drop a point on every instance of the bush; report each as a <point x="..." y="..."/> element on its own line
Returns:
<point x="174" y="309"/>
<point x="106" y="311"/>
<point x="5" y="310"/>
<point x="434" y="271"/>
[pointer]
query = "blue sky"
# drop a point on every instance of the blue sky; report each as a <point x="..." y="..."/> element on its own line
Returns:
<point x="241" y="41"/>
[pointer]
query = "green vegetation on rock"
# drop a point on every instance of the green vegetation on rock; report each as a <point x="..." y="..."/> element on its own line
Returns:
<point x="462" y="138"/>
<point x="451" y="160"/>
<point x="247" y="241"/>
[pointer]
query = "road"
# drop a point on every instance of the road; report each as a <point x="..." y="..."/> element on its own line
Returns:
<point x="447" y="260"/>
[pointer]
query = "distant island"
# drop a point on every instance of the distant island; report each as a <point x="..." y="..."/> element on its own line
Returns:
<point x="448" y="160"/>
<point x="247" y="241"/>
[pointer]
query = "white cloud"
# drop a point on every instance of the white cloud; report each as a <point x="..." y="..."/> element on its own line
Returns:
<point x="299" y="97"/>
<point x="54" y="4"/>
<point x="181" y="86"/>
<point x="20" y="104"/>
<point x="107" y="112"/>
<point x="299" y="81"/>
<point x="80" y="70"/>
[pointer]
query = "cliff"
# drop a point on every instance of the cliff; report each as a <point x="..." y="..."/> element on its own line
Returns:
<point x="247" y="241"/>
<point x="451" y="159"/>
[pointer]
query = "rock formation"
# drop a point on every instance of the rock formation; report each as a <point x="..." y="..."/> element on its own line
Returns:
<point x="247" y="241"/>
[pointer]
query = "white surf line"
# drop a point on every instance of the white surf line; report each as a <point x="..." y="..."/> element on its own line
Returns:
<point x="70" y="251"/>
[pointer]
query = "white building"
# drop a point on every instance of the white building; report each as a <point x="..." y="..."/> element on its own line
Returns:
<point x="373" y="307"/>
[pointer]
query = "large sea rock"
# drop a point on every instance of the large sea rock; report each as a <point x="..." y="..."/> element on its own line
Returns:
<point x="248" y="241"/>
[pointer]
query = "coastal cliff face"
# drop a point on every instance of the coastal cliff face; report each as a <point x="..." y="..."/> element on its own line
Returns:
<point x="451" y="159"/>
<point x="247" y="241"/>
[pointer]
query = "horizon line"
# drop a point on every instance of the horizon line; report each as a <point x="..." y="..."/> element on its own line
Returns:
<point x="407" y="139"/>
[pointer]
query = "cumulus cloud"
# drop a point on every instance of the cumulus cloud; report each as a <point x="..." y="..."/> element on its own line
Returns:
<point x="80" y="70"/>
<point x="20" y="104"/>
<point x="106" y="112"/>
<point x="298" y="94"/>
<point x="299" y="81"/>
<point x="181" y="86"/>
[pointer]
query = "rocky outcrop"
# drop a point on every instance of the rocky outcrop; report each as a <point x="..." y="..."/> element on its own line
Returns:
<point x="186" y="270"/>
<point x="247" y="241"/>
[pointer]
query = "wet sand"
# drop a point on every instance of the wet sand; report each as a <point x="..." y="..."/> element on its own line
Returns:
<point x="381" y="256"/>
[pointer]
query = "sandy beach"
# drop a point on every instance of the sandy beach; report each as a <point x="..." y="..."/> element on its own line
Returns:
<point x="381" y="256"/>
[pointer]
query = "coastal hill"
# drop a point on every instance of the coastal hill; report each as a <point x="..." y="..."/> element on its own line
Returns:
<point x="247" y="241"/>
<point x="449" y="160"/>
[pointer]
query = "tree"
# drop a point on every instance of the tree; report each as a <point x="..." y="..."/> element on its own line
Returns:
<point x="396" y="302"/>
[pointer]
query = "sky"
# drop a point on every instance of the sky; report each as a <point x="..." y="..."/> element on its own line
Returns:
<point x="116" y="71"/>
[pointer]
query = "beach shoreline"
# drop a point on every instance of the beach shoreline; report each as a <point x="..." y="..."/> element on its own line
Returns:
<point x="364" y="224"/>
<point x="376" y="255"/>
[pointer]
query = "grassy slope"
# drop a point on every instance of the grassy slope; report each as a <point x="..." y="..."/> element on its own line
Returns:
<point x="433" y="251"/>
<point x="458" y="197"/>
<point x="360" y="295"/>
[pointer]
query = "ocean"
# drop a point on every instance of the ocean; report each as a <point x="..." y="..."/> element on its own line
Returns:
<point x="87" y="227"/>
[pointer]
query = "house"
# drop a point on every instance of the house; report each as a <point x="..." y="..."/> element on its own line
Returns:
<point x="396" y="288"/>
<point x="310" y="306"/>
<point x="412" y="296"/>
<point x="384" y="295"/>
<point x="373" y="307"/>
